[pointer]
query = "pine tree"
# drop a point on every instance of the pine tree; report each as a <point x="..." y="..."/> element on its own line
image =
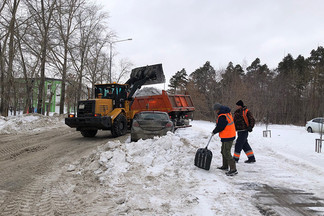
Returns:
<point x="178" y="82"/>
<point x="203" y="85"/>
<point x="316" y="67"/>
<point x="204" y="77"/>
<point x="258" y="78"/>
<point x="232" y="86"/>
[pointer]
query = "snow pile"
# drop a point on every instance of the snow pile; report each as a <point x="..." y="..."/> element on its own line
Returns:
<point x="28" y="123"/>
<point x="157" y="176"/>
<point x="147" y="91"/>
<point x="152" y="175"/>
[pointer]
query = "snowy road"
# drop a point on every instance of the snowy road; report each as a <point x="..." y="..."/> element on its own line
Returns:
<point x="55" y="171"/>
<point x="32" y="169"/>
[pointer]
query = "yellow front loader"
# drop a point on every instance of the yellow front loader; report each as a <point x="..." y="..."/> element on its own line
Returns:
<point x="110" y="109"/>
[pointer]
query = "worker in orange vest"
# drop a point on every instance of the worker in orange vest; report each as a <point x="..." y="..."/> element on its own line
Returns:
<point x="244" y="123"/>
<point x="226" y="129"/>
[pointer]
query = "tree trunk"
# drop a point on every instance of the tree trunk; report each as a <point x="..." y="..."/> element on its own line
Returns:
<point x="62" y="101"/>
<point x="11" y="57"/>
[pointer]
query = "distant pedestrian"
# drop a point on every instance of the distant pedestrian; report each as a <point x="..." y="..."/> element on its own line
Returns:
<point x="244" y="123"/>
<point x="226" y="129"/>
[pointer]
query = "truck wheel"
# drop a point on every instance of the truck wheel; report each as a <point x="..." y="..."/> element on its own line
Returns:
<point x="119" y="126"/>
<point x="133" y="139"/>
<point x="89" y="133"/>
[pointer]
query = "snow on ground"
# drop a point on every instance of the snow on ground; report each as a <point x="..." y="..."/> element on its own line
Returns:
<point x="159" y="173"/>
<point x="29" y="123"/>
<point x="158" y="177"/>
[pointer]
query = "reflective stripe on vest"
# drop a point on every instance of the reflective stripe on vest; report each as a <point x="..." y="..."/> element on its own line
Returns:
<point x="229" y="130"/>
<point x="245" y="117"/>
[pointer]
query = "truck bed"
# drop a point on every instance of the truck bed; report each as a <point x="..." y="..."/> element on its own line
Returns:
<point x="164" y="102"/>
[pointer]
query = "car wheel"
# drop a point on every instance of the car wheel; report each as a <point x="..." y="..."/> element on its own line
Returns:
<point x="309" y="130"/>
<point x="133" y="140"/>
<point x="119" y="126"/>
<point x="89" y="133"/>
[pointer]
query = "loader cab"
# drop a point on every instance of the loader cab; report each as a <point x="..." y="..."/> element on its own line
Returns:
<point x="115" y="92"/>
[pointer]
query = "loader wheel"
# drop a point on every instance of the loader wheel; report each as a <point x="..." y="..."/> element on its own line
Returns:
<point x="89" y="133"/>
<point x="119" y="126"/>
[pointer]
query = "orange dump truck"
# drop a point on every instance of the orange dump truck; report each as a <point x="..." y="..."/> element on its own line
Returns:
<point x="179" y="107"/>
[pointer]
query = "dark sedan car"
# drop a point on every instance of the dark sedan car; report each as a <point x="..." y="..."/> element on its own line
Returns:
<point x="147" y="124"/>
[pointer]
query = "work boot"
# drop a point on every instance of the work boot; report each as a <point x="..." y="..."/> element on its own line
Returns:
<point x="231" y="173"/>
<point x="232" y="165"/>
<point x="250" y="160"/>
<point x="223" y="168"/>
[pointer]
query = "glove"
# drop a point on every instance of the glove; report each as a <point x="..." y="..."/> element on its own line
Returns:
<point x="213" y="132"/>
<point x="249" y="129"/>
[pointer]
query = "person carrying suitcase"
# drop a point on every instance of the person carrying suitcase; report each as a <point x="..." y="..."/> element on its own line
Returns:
<point x="226" y="129"/>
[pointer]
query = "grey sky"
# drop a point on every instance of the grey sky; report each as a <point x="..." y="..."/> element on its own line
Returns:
<point x="187" y="33"/>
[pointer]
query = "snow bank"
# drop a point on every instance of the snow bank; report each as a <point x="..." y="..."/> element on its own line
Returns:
<point x="157" y="176"/>
<point x="28" y="123"/>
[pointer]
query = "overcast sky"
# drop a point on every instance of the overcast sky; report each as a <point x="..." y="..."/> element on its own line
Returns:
<point x="187" y="33"/>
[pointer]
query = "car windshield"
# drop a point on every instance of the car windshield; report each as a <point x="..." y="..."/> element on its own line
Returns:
<point x="153" y="116"/>
<point x="110" y="91"/>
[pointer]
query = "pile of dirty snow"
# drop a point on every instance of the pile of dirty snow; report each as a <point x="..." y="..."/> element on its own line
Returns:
<point x="148" y="91"/>
<point x="28" y="123"/>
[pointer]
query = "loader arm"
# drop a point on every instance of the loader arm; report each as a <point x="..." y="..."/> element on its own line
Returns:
<point x="147" y="75"/>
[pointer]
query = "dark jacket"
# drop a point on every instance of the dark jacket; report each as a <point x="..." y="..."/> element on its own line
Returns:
<point x="222" y="123"/>
<point x="239" y="120"/>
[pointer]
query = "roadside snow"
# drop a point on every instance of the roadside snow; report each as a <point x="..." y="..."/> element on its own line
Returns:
<point x="28" y="123"/>
<point x="158" y="176"/>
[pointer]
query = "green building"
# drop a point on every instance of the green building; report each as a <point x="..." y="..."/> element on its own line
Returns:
<point x="52" y="90"/>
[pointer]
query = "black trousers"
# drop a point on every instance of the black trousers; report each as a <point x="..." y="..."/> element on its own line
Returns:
<point x="242" y="143"/>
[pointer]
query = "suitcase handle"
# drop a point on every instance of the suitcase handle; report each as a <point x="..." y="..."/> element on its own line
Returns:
<point x="209" y="141"/>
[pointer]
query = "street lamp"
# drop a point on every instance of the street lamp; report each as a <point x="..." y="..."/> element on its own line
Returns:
<point x="110" y="58"/>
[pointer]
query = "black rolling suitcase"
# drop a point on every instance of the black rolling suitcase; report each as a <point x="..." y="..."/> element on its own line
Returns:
<point x="203" y="157"/>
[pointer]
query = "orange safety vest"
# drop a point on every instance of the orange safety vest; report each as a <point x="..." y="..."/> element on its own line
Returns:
<point x="229" y="130"/>
<point x="245" y="117"/>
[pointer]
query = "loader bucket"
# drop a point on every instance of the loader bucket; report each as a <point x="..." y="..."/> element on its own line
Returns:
<point x="153" y="73"/>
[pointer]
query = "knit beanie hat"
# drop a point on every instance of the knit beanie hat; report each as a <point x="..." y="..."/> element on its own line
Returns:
<point x="240" y="103"/>
<point x="217" y="106"/>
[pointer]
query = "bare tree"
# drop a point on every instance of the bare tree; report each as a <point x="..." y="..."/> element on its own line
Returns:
<point x="8" y="42"/>
<point x="124" y="68"/>
<point x="29" y="57"/>
<point x="96" y="61"/>
<point x="66" y="26"/>
<point x="91" y="21"/>
<point x="42" y="16"/>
